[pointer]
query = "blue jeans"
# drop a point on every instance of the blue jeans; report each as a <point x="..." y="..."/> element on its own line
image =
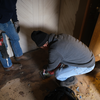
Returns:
<point x="65" y="72"/>
<point x="14" y="40"/>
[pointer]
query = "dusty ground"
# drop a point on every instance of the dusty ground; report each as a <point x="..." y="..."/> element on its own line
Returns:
<point x="26" y="84"/>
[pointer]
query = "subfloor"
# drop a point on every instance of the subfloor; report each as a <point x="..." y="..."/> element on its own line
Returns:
<point x="27" y="84"/>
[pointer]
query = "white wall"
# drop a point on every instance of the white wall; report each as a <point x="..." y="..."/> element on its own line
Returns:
<point x="67" y="18"/>
<point x="51" y="16"/>
<point x="36" y="15"/>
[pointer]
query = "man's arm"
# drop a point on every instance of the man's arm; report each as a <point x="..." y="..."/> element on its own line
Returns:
<point x="54" y="60"/>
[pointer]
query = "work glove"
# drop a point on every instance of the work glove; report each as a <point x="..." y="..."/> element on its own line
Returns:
<point x="44" y="74"/>
<point x="17" y="27"/>
<point x="1" y="32"/>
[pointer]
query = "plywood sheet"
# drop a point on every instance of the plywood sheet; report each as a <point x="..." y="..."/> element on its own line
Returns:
<point x="95" y="41"/>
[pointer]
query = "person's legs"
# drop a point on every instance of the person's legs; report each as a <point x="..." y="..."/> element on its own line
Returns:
<point x="4" y="61"/>
<point x="64" y="73"/>
<point x="7" y="63"/>
<point x="14" y="38"/>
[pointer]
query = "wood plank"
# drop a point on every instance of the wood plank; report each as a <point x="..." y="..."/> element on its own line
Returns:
<point x="95" y="40"/>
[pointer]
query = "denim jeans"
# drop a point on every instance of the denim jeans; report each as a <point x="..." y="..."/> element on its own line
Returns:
<point x="65" y="72"/>
<point x="14" y="40"/>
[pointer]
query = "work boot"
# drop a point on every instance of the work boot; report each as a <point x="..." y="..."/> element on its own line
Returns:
<point x="14" y="67"/>
<point x="22" y="58"/>
<point x="69" y="82"/>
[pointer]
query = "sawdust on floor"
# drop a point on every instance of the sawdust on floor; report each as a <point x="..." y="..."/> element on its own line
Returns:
<point x="26" y="84"/>
<point x="87" y="88"/>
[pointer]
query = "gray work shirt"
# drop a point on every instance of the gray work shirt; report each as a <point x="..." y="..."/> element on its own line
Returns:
<point x="66" y="49"/>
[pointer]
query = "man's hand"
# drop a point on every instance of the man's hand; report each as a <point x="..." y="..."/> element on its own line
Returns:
<point x="17" y="27"/>
<point x="44" y="74"/>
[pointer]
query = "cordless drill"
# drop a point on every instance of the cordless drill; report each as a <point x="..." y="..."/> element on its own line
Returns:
<point x="3" y="48"/>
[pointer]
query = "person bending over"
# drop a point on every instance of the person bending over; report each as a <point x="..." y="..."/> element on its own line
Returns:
<point x="68" y="56"/>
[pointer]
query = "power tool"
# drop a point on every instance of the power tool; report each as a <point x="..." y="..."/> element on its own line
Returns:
<point x="3" y="48"/>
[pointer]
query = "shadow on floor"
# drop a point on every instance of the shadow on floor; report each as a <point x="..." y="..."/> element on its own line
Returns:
<point x="30" y="73"/>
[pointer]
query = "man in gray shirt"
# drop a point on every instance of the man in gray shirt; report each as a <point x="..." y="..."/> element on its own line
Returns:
<point x="68" y="56"/>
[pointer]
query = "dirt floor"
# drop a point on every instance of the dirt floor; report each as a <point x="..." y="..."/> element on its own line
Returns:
<point x="27" y="84"/>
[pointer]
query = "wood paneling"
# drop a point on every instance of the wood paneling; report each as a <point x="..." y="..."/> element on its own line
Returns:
<point x="95" y="41"/>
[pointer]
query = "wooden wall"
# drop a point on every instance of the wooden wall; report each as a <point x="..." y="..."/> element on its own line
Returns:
<point x="95" y="41"/>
